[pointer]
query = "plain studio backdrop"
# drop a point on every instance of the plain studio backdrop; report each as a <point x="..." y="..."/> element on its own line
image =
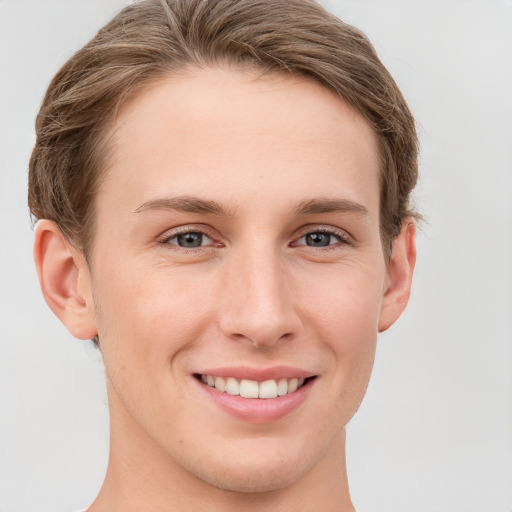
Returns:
<point x="434" y="433"/>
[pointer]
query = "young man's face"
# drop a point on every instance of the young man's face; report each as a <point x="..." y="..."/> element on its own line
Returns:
<point x="237" y="237"/>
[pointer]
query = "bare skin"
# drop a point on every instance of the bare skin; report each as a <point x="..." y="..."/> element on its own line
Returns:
<point x="237" y="230"/>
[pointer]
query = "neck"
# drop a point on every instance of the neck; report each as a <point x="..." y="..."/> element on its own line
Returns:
<point x="141" y="476"/>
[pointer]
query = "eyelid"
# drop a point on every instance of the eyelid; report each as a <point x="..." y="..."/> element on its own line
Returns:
<point x="189" y="228"/>
<point x="164" y="238"/>
<point x="345" y="238"/>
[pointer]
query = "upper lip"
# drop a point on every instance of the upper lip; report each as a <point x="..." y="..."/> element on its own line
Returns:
<point x="258" y="374"/>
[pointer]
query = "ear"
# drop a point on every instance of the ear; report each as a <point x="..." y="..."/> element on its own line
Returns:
<point x="399" y="276"/>
<point x="65" y="280"/>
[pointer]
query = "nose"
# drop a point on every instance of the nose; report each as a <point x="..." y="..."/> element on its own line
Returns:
<point x="257" y="305"/>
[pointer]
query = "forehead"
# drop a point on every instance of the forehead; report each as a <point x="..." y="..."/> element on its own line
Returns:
<point x="228" y="132"/>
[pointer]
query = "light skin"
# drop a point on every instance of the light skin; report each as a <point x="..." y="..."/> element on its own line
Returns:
<point x="237" y="227"/>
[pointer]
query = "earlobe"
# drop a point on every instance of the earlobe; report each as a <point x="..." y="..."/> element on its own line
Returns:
<point x="399" y="278"/>
<point x="65" y="279"/>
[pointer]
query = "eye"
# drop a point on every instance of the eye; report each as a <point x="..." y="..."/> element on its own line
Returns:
<point x="321" y="238"/>
<point x="189" y="239"/>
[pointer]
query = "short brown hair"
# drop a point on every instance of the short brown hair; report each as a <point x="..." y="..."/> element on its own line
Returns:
<point x="153" y="38"/>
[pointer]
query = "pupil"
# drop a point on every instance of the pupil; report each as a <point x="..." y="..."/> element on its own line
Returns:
<point x="190" y="239"/>
<point x="318" y="239"/>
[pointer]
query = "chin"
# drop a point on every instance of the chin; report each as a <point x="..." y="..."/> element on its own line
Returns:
<point x="254" y="475"/>
<point x="253" y="480"/>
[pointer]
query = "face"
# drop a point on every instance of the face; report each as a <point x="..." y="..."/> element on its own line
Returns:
<point x="237" y="253"/>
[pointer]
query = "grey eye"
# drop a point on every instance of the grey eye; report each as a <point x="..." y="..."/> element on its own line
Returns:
<point x="319" y="239"/>
<point x="190" y="240"/>
<point x="322" y="239"/>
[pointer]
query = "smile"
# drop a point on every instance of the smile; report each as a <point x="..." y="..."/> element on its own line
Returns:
<point x="246" y="388"/>
<point x="256" y="395"/>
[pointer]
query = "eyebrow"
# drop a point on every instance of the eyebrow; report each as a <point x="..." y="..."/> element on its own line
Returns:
<point x="330" y="206"/>
<point x="190" y="204"/>
<point x="186" y="204"/>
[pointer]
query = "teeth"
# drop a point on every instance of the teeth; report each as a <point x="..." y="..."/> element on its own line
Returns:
<point x="248" y="388"/>
<point x="232" y="386"/>
<point x="292" y="385"/>
<point x="268" y="389"/>
<point x="251" y="388"/>
<point x="282" y="387"/>
<point x="220" y="383"/>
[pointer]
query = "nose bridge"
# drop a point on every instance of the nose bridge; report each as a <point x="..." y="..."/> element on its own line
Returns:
<point x="258" y="305"/>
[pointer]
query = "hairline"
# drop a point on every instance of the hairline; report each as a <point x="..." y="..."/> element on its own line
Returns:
<point x="106" y="133"/>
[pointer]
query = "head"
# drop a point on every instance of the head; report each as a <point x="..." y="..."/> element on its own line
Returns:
<point x="152" y="39"/>
<point x="225" y="188"/>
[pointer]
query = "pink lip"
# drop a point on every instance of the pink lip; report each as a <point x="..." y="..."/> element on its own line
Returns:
<point x="258" y="410"/>
<point x="258" y="374"/>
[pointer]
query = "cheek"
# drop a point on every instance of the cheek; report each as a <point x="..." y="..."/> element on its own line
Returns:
<point x="345" y="316"/>
<point x="350" y="338"/>
<point x="147" y="326"/>
<point x="346" y="303"/>
<point x="147" y="319"/>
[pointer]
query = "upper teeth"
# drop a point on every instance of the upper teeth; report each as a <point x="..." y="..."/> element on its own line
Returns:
<point x="252" y="388"/>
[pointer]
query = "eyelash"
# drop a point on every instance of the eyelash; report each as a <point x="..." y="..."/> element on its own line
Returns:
<point x="166" y="239"/>
<point x="342" y="237"/>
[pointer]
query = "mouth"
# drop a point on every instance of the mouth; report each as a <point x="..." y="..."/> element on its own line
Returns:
<point x="246" y="388"/>
<point x="257" y="395"/>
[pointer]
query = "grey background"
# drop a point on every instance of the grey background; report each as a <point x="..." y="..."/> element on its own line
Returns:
<point x="434" y="433"/>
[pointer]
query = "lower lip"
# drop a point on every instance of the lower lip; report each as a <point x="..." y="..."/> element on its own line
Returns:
<point x="258" y="410"/>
